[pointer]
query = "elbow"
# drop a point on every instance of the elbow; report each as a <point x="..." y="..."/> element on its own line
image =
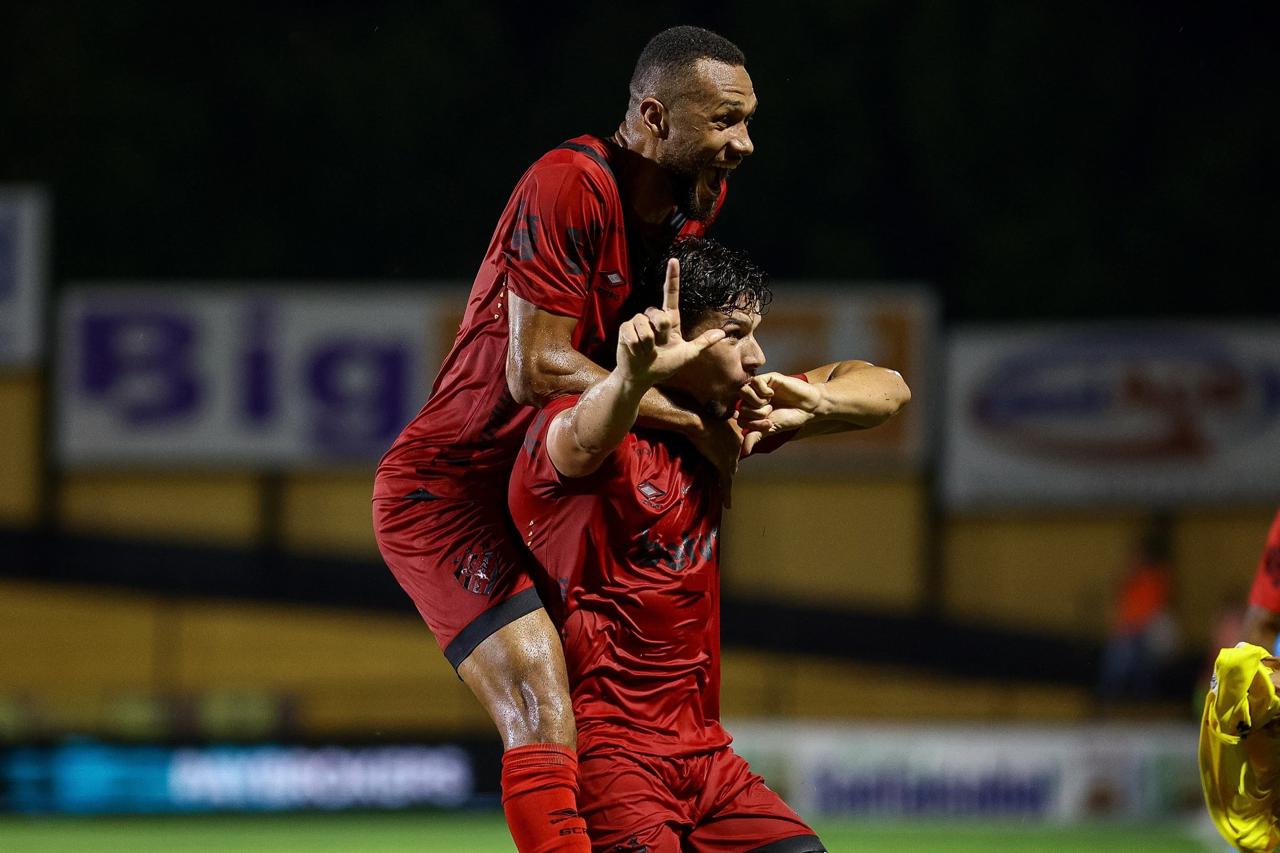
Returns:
<point x="900" y="394"/>
<point x="896" y="395"/>
<point x="527" y="383"/>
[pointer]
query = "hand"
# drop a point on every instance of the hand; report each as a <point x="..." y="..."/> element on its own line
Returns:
<point x="720" y="443"/>
<point x="773" y="403"/>
<point x="650" y="346"/>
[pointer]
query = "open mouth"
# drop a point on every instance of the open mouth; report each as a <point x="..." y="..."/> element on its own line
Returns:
<point x="714" y="178"/>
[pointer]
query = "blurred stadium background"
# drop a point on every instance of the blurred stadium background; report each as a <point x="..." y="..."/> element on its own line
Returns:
<point x="234" y="246"/>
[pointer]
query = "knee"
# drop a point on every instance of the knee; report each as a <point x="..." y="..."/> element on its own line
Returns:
<point x="543" y="713"/>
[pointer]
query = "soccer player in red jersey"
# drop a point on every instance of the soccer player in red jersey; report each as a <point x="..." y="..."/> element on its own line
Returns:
<point x="559" y="274"/>
<point x="1262" y="619"/>
<point x="625" y="522"/>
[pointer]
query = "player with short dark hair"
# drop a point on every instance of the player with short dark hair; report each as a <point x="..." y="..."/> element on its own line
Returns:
<point x="625" y="522"/>
<point x="560" y="272"/>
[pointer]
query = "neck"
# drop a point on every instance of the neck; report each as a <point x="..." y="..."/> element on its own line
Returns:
<point x="647" y="186"/>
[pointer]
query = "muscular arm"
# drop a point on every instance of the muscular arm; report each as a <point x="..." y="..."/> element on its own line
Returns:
<point x="837" y="397"/>
<point x="650" y="349"/>
<point x="542" y="365"/>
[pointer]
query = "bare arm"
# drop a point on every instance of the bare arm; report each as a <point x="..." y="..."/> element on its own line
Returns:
<point x="1261" y="626"/>
<point x="542" y="365"/>
<point x="650" y="349"/>
<point x="846" y="395"/>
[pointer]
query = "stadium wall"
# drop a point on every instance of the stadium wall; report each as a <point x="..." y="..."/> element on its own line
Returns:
<point x="21" y="448"/>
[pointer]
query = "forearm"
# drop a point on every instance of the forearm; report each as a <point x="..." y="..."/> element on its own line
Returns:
<point x="858" y="394"/>
<point x="605" y="414"/>
<point x="658" y="411"/>
<point x="552" y="373"/>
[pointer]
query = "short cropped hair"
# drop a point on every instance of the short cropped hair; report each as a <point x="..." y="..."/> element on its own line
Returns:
<point x="666" y="64"/>
<point x="714" y="278"/>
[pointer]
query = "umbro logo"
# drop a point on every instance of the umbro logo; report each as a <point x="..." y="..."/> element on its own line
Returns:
<point x="614" y="278"/>
<point x="650" y="491"/>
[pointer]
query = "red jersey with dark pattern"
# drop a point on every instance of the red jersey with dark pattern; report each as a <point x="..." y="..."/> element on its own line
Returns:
<point x="1266" y="583"/>
<point x="634" y="549"/>
<point x="565" y="245"/>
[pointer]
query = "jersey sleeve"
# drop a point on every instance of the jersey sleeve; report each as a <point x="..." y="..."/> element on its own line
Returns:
<point x="537" y="473"/>
<point x="1266" y="581"/>
<point x="559" y="218"/>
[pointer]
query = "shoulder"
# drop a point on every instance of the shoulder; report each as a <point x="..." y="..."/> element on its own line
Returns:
<point x="582" y="161"/>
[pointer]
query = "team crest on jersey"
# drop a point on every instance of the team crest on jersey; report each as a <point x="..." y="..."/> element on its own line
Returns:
<point x="478" y="570"/>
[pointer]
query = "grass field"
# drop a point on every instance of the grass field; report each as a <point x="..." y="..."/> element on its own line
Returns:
<point x="486" y="833"/>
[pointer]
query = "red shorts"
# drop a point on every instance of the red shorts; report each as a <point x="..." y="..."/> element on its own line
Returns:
<point x="459" y="561"/>
<point x="709" y="803"/>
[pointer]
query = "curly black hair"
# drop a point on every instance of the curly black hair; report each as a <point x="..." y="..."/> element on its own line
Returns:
<point x="714" y="277"/>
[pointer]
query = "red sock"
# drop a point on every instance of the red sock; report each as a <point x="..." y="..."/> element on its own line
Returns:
<point x="540" y="799"/>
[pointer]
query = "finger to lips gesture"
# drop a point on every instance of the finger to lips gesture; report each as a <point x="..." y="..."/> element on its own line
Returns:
<point x="650" y="345"/>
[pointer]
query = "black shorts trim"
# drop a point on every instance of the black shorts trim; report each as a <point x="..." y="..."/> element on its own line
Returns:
<point x="794" y="844"/>
<point x="520" y="604"/>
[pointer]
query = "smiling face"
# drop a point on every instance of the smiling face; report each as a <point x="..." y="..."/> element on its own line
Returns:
<point x="707" y="134"/>
<point x="715" y="378"/>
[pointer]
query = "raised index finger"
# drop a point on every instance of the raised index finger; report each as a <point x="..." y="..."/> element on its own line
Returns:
<point x="671" y="290"/>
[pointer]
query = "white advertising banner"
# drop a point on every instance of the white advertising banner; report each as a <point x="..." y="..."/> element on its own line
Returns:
<point x="305" y="376"/>
<point x="1135" y="414"/>
<point x="24" y="229"/>
<point x="1034" y="773"/>
<point x="242" y="375"/>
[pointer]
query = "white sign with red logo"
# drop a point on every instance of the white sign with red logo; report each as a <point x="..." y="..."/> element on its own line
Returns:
<point x="1134" y="414"/>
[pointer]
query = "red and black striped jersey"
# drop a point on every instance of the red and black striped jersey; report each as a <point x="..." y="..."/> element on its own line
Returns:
<point x="565" y="243"/>
<point x="634" y="551"/>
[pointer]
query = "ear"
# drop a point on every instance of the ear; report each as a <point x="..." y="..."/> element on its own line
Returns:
<point x="653" y="115"/>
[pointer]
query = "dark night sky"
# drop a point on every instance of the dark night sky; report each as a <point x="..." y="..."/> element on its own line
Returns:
<point x="1032" y="160"/>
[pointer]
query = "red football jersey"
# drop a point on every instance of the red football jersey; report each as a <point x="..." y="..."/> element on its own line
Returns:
<point x="634" y="549"/>
<point x="565" y="245"/>
<point x="1266" y="583"/>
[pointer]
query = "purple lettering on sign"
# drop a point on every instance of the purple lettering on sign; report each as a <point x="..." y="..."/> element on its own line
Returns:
<point x="259" y="365"/>
<point x="142" y="362"/>
<point x="358" y="387"/>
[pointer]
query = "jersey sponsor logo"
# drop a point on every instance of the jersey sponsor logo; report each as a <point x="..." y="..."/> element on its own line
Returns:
<point x="649" y="552"/>
<point x="477" y="571"/>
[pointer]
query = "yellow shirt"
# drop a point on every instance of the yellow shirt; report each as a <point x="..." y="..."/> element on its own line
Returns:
<point x="1239" y="765"/>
